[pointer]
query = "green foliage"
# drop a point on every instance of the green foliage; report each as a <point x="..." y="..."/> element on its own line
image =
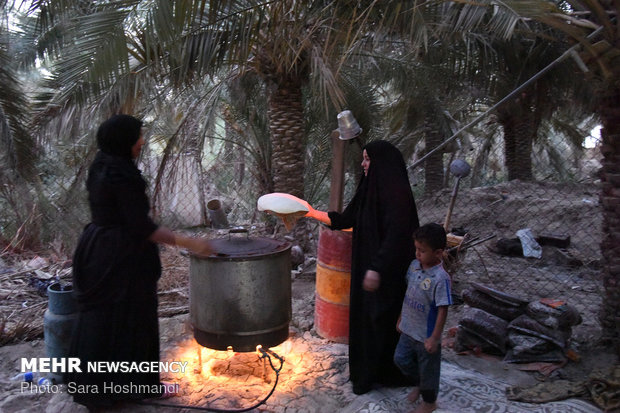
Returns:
<point x="200" y="74"/>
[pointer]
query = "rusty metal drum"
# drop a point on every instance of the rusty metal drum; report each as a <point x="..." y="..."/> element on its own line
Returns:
<point x="333" y="284"/>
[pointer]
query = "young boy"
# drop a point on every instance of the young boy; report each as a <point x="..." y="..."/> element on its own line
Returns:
<point x="423" y="316"/>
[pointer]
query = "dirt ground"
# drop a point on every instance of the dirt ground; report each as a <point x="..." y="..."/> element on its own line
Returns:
<point x="571" y="274"/>
<point x="314" y="378"/>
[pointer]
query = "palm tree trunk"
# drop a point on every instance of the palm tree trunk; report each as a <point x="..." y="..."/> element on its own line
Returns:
<point x="520" y="127"/>
<point x="433" y="167"/>
<point x="480" y="163"/>
<point x="610" y="200"/>
<point x="286" y="123"/>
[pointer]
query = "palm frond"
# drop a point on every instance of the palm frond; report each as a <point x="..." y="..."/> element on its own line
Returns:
<point x="19" y="153"/>
<point x="599" y="18"/>
<point x="203" y="109"/>
<point x="498" y="18"/>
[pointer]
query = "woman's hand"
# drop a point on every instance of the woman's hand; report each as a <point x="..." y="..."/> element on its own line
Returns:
<point x="371" y="282"/>
<point x="200" y="246"/>
<point x="320" y="216"/>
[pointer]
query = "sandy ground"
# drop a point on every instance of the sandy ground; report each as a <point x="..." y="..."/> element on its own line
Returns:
<point x="314" y="377"/>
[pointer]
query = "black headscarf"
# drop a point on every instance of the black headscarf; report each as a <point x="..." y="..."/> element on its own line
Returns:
<point x="113" y="162"/>
<point x="387" y="175"/>
<point x="118" y="134"/>
<point x="387" y="166"/>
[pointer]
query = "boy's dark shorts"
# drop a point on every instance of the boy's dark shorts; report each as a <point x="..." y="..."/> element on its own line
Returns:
<point x="414" y="361"/>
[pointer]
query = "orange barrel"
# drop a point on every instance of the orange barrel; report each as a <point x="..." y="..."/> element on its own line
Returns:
<point x="333" y="282"/>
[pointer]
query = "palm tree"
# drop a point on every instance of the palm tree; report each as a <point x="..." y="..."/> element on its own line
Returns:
<point x="137" y="55"/>
<point x="19" y="146"/>
<point x="18" y="156"/>
<point x="441" y="84"/>
<point x="424" y="92"/>
<point x="504" y="60"/>
<point x="522" y="117"/>
<point x="115" y="52"/>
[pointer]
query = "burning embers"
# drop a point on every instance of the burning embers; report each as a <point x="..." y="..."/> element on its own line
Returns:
<point x="226" y="378"/>
<point x="207" y="364"/>
<point x="315" y="371"/>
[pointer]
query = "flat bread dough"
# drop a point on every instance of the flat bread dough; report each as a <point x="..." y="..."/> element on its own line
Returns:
<point x="281" y="203"/>
<point x="286" y="206"/>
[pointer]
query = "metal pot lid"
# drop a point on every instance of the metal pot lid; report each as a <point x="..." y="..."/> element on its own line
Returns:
<point x="239" y="244"/>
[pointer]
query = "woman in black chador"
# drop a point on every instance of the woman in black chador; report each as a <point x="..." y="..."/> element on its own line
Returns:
<point x="115" y="271"/>
<point x="383" y="216"/>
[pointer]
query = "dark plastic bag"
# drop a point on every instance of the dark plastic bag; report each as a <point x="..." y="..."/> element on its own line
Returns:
<point x="491" y="328"/>
<point x="553" y="356"/>
<point x="510" y="247"/>
<point x="525" y="344"/>
<point x="467" y="339"/>
<point x="478" y="299"/>
<point x="527" y="325"/>
<point x="561" y="317"/>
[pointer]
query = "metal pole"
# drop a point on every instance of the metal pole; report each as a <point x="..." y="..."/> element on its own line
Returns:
<point x="336" y="191"/>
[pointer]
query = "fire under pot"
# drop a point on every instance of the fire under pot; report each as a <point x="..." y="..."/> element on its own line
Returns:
<point x="240" y="296"/>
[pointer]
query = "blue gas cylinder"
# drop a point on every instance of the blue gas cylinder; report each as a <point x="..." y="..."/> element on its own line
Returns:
<point x="58" y="322"/>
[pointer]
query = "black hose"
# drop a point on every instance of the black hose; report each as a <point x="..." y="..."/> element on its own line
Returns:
<point x="265" y="354"/>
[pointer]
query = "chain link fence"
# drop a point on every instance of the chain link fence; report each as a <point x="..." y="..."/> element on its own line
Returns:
<point x="561" y="210"/>
<point x="216" y="188"/>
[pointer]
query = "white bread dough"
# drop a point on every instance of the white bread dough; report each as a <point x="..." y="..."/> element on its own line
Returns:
<point x="281" y="203"/>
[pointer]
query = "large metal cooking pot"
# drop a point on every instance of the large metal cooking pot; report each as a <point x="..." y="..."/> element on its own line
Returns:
<point x="240" y="296"/>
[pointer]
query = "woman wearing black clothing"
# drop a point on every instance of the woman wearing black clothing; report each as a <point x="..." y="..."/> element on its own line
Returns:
<point x="116" y="266"/>
<point x="383" y="216"/>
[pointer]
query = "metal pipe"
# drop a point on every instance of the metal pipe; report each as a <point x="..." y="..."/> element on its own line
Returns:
<point x="217" y="214"/>
<point x="336" y="191"/>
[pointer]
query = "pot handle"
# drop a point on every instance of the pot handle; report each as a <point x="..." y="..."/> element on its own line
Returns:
<point x="239" y="231"/>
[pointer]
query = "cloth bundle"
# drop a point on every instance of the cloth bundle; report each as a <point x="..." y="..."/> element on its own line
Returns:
<point x="601" y="386"/>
